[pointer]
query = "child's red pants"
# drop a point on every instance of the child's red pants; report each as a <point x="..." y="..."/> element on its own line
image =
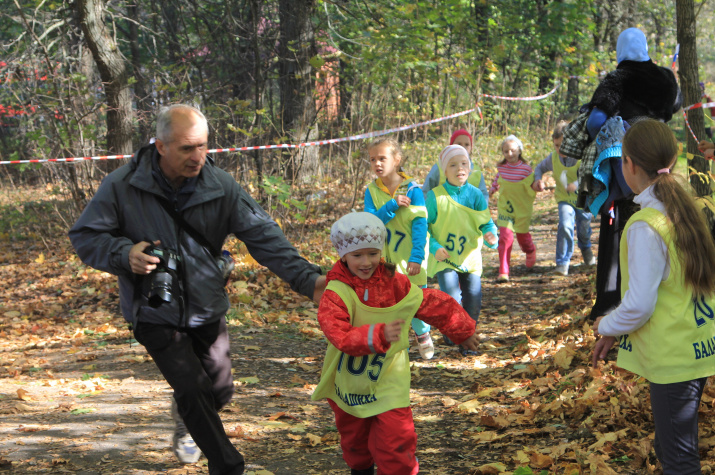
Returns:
<point x="388" y="440"/>
<point x="506" y="241"/>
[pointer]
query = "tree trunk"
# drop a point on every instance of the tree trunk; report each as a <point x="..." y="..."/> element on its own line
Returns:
<point x="688" y="73"/>
<point x="143" y="96"/>
<point x="258" y="88"/>
<point x="296" y="81"/>
<point x="572" y="102"/>
<point x="113" y="71"/>
<point x="345" y="90"/>
<point x="481" y="25"/>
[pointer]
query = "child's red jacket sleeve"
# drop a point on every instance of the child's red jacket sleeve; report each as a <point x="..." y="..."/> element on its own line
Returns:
<point x="334" y="320"/>
<point x="442" y="311"/>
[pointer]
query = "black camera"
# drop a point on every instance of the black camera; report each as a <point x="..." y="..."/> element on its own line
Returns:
<point x="162" y="278"/>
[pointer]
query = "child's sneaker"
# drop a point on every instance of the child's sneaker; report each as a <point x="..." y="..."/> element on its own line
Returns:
<point x="503" y="278"/>
<point x="183" y="444"/>
<point x="425" y="345"/>
<point x="588" y="258"/>
<point x="531" y="259"/>
<point x="562" y="270"/>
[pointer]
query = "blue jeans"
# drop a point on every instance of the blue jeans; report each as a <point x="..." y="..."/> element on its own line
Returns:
<point x="675" y="414"/>
<point x="568" y="218"/>
<point x="465" y="288"/>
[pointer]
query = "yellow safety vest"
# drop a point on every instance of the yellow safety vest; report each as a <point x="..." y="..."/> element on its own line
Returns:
<point x="677" y="343"/>
<point x="398" y="246"/>
<point x="457" y="230"/>
<point x="561" y="172"/>
<point x="515" y="204"/>
<point x="368" y="385"/>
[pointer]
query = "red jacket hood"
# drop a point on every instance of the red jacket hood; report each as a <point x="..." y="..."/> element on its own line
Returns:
<point x="383" y="288"/>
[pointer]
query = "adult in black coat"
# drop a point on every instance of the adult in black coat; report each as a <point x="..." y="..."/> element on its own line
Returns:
<point x="638" y="89"/>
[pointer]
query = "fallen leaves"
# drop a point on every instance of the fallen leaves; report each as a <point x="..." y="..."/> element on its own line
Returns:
<point x="15" y="407"/>
<point x="529" y="402"/>
<point x="23" y="395"/>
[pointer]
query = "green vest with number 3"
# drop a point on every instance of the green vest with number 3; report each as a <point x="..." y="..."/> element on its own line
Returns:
<point x="561" y="174"/>
<point x="367" y="385"/>
<point x="515" y="204"/>
<point x="398" y="246"/>
<point x="677" y="343"/>
<point x="457" y="230"/>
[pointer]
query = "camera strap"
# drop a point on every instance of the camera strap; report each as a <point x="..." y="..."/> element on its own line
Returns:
<point x="181" y="222"/>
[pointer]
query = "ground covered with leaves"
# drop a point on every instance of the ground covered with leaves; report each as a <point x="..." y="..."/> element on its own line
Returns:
<point x="78" y="395"/>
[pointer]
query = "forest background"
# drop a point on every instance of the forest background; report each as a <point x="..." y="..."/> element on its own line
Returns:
<point x="86" y="78"/>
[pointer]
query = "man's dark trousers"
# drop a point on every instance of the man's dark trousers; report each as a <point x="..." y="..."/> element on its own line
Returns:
<point x="197" y="365"/>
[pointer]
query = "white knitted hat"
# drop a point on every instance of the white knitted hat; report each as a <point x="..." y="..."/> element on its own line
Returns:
<point x="357" y="231"/>
<point x="449" y="152"/>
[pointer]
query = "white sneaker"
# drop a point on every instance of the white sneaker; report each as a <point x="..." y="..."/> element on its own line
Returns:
<point x="183" y="444"/>
<point x="425" y="345"/>
<point x="562" y="270"/>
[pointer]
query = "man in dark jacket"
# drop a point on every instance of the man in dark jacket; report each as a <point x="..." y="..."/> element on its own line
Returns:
<point x="172" y="198"/>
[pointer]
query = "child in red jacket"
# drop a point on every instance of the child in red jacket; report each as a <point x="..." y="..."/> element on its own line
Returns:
<point x="365" y="313"/>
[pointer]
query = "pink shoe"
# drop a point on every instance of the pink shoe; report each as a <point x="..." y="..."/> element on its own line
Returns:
<point x="531" y="259"/>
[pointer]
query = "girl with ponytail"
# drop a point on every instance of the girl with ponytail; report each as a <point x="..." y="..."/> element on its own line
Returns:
<point x="665" y="325"/>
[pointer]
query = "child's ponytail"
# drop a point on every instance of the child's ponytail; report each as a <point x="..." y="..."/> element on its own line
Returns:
<point x="651" y="146"/>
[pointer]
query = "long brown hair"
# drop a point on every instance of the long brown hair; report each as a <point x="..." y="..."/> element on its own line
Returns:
<point x="651" y="146"/>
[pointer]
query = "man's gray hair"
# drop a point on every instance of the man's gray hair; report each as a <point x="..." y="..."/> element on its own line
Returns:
<point x="163" y="120"/>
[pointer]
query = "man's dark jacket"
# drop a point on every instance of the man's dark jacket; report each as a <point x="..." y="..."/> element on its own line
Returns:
<point x="126" y="210"/>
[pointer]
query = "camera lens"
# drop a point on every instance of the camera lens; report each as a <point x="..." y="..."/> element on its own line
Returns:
<point x="160" y="290"/>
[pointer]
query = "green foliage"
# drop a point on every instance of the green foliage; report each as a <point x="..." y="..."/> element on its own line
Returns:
<point x="398" y="62"/>
<point x="279" y="194"/>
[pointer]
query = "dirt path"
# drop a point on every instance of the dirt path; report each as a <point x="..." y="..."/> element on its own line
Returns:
<point x="89" y="403"/>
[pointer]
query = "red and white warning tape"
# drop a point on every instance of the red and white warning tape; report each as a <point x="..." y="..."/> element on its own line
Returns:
<point x="685" y="116"/>
<point x="532" y="98"/>
<point x="262" y="147"/>
<point x="697" y="105"/>
<point x="304" y="144"/>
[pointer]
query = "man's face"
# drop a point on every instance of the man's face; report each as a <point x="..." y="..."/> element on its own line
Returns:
<point x="184" y="153"/>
